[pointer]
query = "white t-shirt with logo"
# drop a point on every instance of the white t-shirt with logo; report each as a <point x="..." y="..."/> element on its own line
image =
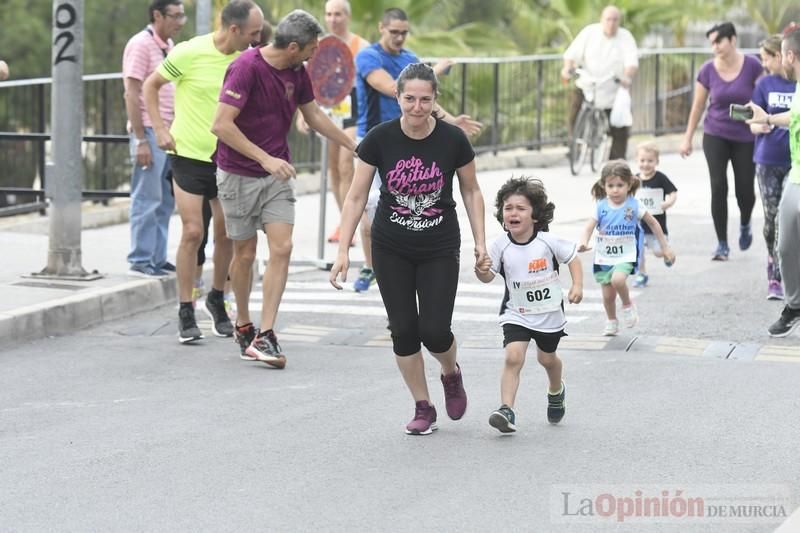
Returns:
<point x="533" y="297"/>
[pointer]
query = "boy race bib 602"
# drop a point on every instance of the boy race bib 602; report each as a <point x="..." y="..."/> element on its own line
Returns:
<point x="537" y="296"/>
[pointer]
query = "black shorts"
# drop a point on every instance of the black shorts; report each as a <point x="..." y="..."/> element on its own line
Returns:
<point x="194" y="176"/>
<point x="546" y="342"/>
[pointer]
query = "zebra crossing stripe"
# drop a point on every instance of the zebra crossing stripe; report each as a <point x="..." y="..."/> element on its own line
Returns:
<point x="318" y="297"/>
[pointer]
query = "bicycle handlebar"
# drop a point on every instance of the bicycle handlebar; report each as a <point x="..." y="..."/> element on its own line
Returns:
<point x="579" y="72"/>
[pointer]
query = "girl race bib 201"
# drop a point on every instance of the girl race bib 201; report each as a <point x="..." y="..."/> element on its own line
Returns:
<point x="615" y="249"/>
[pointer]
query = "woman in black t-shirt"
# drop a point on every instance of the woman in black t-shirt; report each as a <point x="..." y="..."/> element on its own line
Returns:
<point x="415" y="234"/>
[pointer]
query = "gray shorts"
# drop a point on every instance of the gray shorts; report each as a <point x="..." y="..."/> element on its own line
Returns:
<point x="251" y="203"/>
<point x="374" y="196"/>
<point x="374" y="192"/>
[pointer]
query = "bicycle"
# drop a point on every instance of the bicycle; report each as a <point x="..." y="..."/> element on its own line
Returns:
<point x="591" y="131"/>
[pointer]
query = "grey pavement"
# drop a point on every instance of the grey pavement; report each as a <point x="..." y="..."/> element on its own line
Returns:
<point x="118" y="427"/>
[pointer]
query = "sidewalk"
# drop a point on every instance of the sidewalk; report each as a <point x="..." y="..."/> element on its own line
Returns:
<point x="35" y="307"/>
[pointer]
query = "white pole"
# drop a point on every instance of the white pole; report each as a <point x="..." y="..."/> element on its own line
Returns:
<point x="323" y="198"/>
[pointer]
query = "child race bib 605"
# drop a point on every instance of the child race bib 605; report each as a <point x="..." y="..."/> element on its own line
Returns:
<point x="652" y="199"/>
<point x="615" y="249"/>
<point x="537" y="296"/>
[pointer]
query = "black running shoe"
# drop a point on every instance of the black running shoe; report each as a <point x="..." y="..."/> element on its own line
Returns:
<point x="789" y="319"/>
<point x="221" y="323"/>
<point x="187" y="326"/>
<point x="265" y="348"/>
<point x="244" y="335"/>
<point x="503" y="419"/>
<point x="556" y="407"/>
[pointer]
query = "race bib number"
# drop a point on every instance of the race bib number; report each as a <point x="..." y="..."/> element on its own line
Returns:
<point x="343" y="109"/>
<point x="652" y="199"/>
<point x="537" y="296"/>
<point x="615" y="249"/>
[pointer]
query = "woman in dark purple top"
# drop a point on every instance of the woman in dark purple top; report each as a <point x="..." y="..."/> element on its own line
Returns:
<point x="727" y="79"/>
<point x="774" y="93"/>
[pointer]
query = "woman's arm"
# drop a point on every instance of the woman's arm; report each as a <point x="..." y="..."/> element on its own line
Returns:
<point x="473" y="203"/>
<point x="352" y="208"/>
<point x="698" y="106"/>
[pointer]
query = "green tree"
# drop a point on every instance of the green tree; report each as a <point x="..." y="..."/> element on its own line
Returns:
<point x="770" y="15"/>
<point x="27" y="48"/>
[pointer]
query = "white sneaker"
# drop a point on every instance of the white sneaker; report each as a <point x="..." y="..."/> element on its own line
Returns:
<point x="630" y="316"/>
<point x="611" y="329"/>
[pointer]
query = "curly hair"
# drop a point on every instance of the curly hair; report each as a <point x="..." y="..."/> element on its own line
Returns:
<point x="618" y="168"/>
<point x="532" y="189"/>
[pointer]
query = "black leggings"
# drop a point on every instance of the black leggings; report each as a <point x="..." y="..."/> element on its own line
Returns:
<point x="718" y="152"/>
<point x="402" y="279"/>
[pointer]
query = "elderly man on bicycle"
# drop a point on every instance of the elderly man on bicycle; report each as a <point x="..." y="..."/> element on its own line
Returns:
<point x="600" y="49"/>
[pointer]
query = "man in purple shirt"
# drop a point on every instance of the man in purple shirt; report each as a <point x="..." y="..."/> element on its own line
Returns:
<point x="262" y="89"/>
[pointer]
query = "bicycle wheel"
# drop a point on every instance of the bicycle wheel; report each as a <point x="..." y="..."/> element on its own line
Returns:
<point x="579" y="145"/>
<point x="601" y="143"/>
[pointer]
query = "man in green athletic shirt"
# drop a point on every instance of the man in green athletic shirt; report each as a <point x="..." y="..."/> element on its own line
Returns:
<point x="197" y="67"/>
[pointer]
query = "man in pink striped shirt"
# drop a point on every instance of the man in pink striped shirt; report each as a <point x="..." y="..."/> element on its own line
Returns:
<point x="152" y="201"/>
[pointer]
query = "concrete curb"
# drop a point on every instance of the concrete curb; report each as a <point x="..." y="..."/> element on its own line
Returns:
<point x="90" y="308"/>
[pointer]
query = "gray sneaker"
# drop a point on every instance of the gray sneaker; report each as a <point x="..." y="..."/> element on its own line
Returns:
<point x="503" y="419"/>
<point x="789" y="319"/>
<point x="187" y="326"/>
<point x="221" y="322"/>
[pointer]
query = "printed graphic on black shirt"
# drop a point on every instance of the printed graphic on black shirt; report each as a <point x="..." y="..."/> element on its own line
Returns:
<point x="416" y="190"/>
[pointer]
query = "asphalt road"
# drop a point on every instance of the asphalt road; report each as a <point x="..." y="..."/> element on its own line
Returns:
<point x="120" y="428"/>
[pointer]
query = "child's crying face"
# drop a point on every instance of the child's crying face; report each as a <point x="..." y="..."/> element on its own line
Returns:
<point x="518" y="217"/>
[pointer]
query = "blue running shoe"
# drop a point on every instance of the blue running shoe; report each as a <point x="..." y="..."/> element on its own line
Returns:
<point x="745" y="237"/>
<point x="641" y="280"/>
<point x="365" y="278"/>
<point x="722" y="252"/>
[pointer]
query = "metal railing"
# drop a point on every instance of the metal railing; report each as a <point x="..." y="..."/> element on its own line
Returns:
<point x="520" y="100"/>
